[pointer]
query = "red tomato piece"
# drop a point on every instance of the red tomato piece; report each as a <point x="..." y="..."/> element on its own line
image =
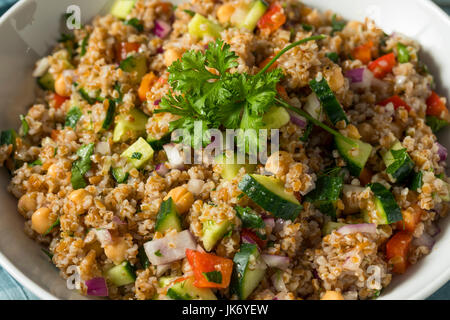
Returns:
<point x="436" y="107"/>
<point x="273" y="19"/>
<point x="383" y="65"/>
<point x="58" y="100"/>
<point x="363" y="52"/>
<point x="124" y="48"/>
<point x="205" y="264"/>
<point x="397" y="102"/>
<point x="397" y="249"/>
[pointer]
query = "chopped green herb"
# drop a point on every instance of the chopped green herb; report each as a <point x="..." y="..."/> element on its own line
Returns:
<point x="189" y="12"/>
<point x="24" y="127"/>
<point x="86" y="96"/>
<point x="54" y="225"/>
<point x="337" y="25"/>
<point x="136" y="23"/>
<point x="158" y="253"/>
<point x="81" y="166"/>
<point x="143" y="258"/>
<point x="401" y="158"/>
<point x="109" y="115"/>
<point x="136" y="155"/>
<point x="250" y="219"/>
<point x="333" y="56"/>
<point x="37" y="162"/>
<point x="72" y="117"/>
<point x="436" y="124"/>
<point x="47" y="253"/>
<point x="213" y="276"/>
<point x="84" y="44"/>
<point x="307" y="27"/>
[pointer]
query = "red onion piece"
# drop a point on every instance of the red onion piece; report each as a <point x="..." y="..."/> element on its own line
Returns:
<point x="247" y="239"/>
<point x="117" y="221"/>
<point x="360" y="78"/>
<point x="173" y="154"/>
<point x="433" y="229"/>
<point x="270" y="222"/>
<point x="354" y="228"/>
<point x="425" y="240"/>
<point x="157" y="102"/>
<point x="275" y="261"/>
<point x="162" y="29"/>
<point x="297" y="120"/>
<point x="442" y="152"/>
<point x="97" y="287"/>
<point x="161" y="169"/>
<point x="160" y="50"/>
<point x="170" y="248"/>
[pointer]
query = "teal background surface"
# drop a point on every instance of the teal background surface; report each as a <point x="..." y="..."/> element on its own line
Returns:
<point x="10" y="289"/>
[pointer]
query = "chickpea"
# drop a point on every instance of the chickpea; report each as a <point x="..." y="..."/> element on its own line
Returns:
<point x="41" y="220"/>
<point x="27" y="203"/>
<point x="225" y="12"/>
<point x="332" y="295"/>
<point x="182" y="198"/>
<point x="170" y="56"/>
<point x="61" y="87"/>
<point x="81" y="199"/>
<point x="117" y="250"/>
<point x="53" y="171"/>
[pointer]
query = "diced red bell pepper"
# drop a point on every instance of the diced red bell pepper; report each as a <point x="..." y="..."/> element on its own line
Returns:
<point x="397" y="249"/>
<point x="273" y="19"/>
<point x="282" y="92"/>
<point x="58" y="100"/>
<point x="411" y="219"/>
<point x="383" y="65"/>
<point x="363" y="52"/>
<point x="266" y="61"/>
<point x="397" y="102"/>
<point x="202" y="263"/>
<point x="124" y="48"/>
<point x="436" y="107"/>
<point x="252" y="235"/>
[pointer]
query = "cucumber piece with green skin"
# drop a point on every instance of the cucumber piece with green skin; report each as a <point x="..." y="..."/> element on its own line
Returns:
<point x="330" y="226"/>
<point x="119" y="175"/>
<point x="276" y="118"/>
<point x="356" y="158"/>
<point x="269" y="194"/>
<point x="256" y="12"/>
<point x="231" y="170"/>
<point x="109" y="118"/>
<point x="130" y="126"/>
<point x="398" y="163"/>
<point x="326" y="194"/>
<point x="139" y="153"/>
<point x="157" y="144"/>
<point x="122" y="8"/>
<point x="143" y="258"/>
<point x="186" y="290"/>
<point x="387" y="209"/>
<point x="330" y="104"/>
<point x="135" y="63"/>
<point x="416" y="181"/>
<point x="213" y="232"/>
<point x="168" y="217"/>
<point x="47" y="82"/>
<point x="248" y="271"/>
<point x="201" y="27"/>
<point x="121" y="274"/>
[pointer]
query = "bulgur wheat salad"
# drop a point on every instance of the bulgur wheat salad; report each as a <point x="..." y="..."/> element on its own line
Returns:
<point x="351" y="198"/>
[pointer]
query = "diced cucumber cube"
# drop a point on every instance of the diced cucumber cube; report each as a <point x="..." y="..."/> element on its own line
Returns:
<point x="256" y="12"/>
<point x="201" y="27"/>
<point x="139" y="153"/>
<point x="122" y="8"/>
<point x="121" y="274"/>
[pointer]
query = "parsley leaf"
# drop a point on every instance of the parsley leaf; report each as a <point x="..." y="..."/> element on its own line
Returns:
<point x="401" y="165"/>
<point x="134" y="22"/>
<point x="37" y="162"/>
<point x="249" y="218"/>
<point x="213" y="276"/>
<point x="136" y="155"/>
<point x="25" y="127"/>
<point x="81" y="166"/>
<point x="436" y="124"/>
<point x="72" y="117"/>
<point x="158" y="253"/>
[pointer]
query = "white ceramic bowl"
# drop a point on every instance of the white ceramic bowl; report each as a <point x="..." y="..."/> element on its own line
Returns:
<point x="30" y="29"/>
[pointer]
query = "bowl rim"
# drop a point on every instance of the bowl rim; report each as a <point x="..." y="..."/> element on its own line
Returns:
<point x="43" y="294"/>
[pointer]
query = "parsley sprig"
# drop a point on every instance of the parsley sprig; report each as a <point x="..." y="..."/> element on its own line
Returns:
<point x="204" y="89"/>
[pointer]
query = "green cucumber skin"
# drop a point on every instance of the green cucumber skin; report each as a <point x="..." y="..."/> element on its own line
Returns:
<point x="241" y="261"/>
<point x="353" y="166"/>
<point x="325" y="195"/>
<point x="168" y="217"/>
<point x="47" y="82"/>
<point x="279" y="207"/>
<point x="403" y="172"/>
<point x="330" y="104"/>
<point x="8" y="137"/>
<point x="387" y="200"/>
<point x="416" y="182"/>
<point x="256" y="12"/>
<point x="119" y="175"/>
<point x="126" y="276"/>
